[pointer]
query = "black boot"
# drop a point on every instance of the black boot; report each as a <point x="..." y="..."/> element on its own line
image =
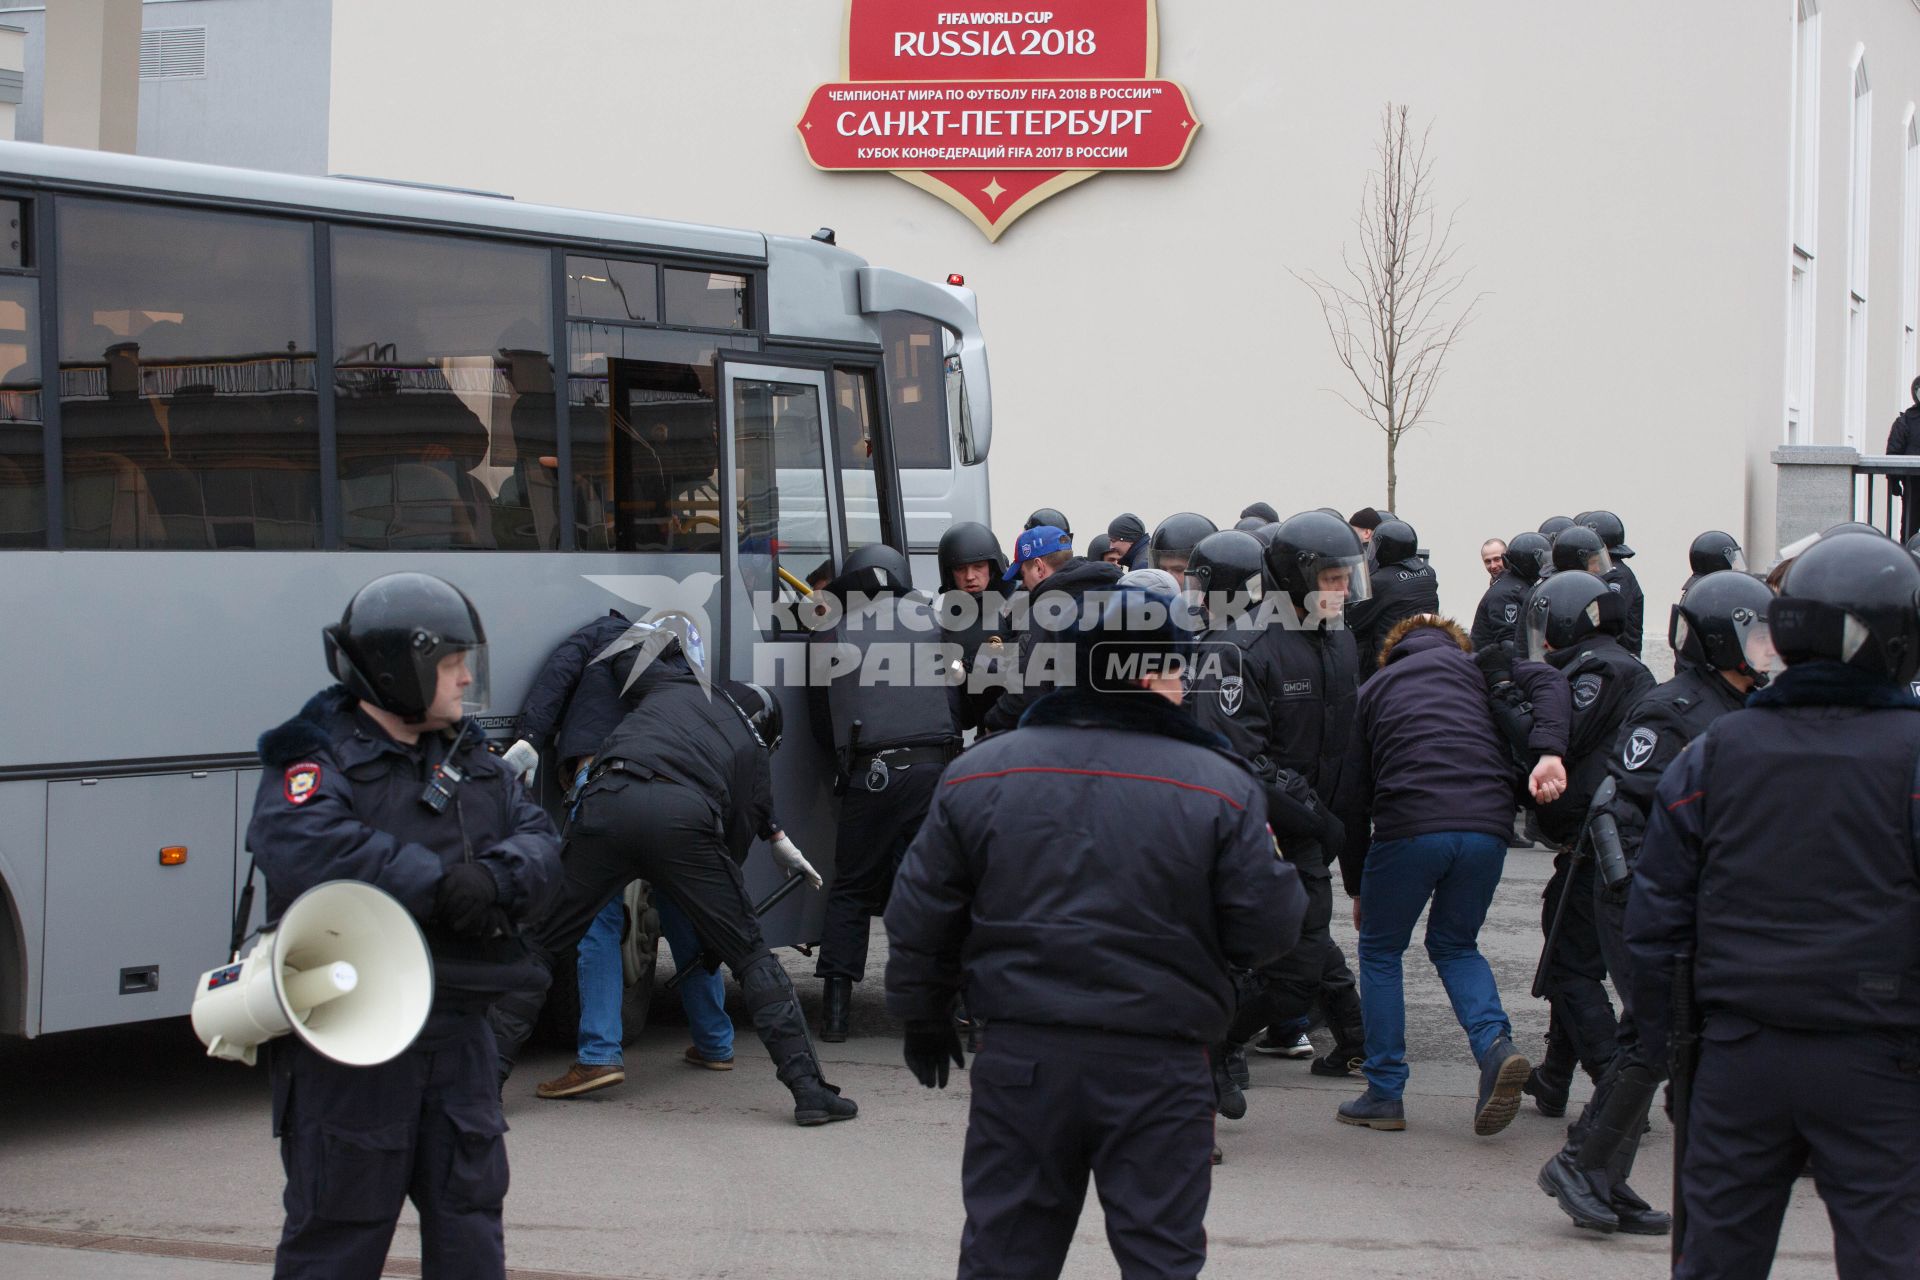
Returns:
<point x="776" y="1017"/>
<point x="1228" y="1100"/>
<point x="1579" y="1194"/>
<point x="836" y="997"/>
<point x="1637" y="1217"/>
<point x="1349" y="1049"/>
<point x="1550" y="1082"/>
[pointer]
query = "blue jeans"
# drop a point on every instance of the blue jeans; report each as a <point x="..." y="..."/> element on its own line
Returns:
<point x="602" y="980"/>
<point x="1458" y="871"/>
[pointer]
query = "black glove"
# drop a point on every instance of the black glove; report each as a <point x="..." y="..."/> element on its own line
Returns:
<point x="463" y="897"/>
<point x="1495" y="663"/>
<point x="1333" y="836"/>
<point x="929" y="1047"/>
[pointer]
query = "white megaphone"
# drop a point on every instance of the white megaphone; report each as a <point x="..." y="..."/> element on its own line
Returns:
<point x="346" y="969"/>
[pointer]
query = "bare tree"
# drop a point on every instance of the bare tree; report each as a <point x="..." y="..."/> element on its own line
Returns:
<point x="1397" y="314"/>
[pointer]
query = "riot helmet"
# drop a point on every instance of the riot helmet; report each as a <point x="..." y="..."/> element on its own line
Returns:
<point x="1225" y="562"/>
<point x="1047" y="515"/>
<point x="1098" y="546"/>
<point x="1552" y="525"/>
<point x="1853" y="526"/>
<point x="1721" y="623"/>
<point x="1579" y="547"/>
<point x="387" y="647"/>
<point x="1247" y="524"/>
<point x="1260" y="511"/>
<point x="1317" y="557"/>
<point x="1529" y="556"/>
<point x="1567" y="608"/>
<point x="1854" y="600"/>
<point x="1174" y="540"/>
<point x="969" y="543"/>
<point x="761" y="709"/>
<point x="1266" y="533"/>
<point x="873" y="570"/>
<point x="1611" y="531"/>
<point x="1394" y="541"/>
<point x="1713" y="551"/>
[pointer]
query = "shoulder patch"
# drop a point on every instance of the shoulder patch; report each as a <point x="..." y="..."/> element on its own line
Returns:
<point x="302" y="782"/>
<point x="1512" y="613"/>
<point x="1640" y="747"/>
<point x="1233" y="694"/>
<point x="1586" y="691"/>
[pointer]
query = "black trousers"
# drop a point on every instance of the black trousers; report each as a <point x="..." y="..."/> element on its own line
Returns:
<point x="1052" y="1105"/>
<point x="1763" y="1099"/>
<point x="875" y="829"/>
<point x="1314" y="971"/>
<point x="357" y="1142"/>
<point x="1577" y="968"/>
<point x="1607" y="1133"/>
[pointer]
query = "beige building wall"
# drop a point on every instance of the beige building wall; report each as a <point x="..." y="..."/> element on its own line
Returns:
<point x="1621" y="172"/>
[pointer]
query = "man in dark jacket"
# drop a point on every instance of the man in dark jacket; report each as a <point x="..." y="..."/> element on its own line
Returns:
<point x="1605" y="682"/>
<point x="1779" y="859"/>
<point x="1498" y="617"/>
<point x="554" y="716"/>
<point x="1054" y="580"/>
<point x="1904" y="441"/>
<point x="1126" y="542"/>
<point x="1092" y="917"/>
<point x="1437" y="784"/>
<point x="1722" y="648"/>
<point x="1404" y="584"/>
<point x="972" y="608"/>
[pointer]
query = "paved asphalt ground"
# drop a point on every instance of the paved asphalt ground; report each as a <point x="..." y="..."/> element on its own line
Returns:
<point x="126" y="1154"/>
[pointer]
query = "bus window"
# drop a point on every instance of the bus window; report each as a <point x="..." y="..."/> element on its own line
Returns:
<point x="646" y="438"/>
<point x="783" y="481"/>
<point x="187" y="399"/>
<point x="23" y="477"/>
<point x="860" y="455"/>
<point x="706" y="299"/>
<point x="916" y="391"/>
<point x="443" y="393"/>
<point x="608" y="289"/>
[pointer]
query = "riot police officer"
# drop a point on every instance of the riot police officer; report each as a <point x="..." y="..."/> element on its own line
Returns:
<point x="1047" y="516"/>
<point x="1779" y="868"/>
<point x="890" y="734"/>
<point x="1225" y="568"/>
<point x="1619" y="577"/>
<point x="1719" y="638"/>
<point x="1573" y="624"/>
<point x="1498" y="616"/>
<point x="1552" y="526"/>
<point x="1289" y="709"/>
<point x="1174" y="539"/>
<point x="385" y="779"/>
<point x="1403" y="584"/>
<point x="973" y="613"/>
<point x="1711" y="552"/>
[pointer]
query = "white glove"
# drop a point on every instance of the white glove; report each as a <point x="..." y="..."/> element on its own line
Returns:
<point x="523" y="761"/>
<point x="788" y="855"/>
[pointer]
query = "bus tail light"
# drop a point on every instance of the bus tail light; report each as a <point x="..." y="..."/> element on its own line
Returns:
<point x="173" y="855"/>
<point x="957" y="280"/>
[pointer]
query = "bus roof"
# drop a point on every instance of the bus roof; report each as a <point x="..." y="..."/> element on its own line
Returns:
<point x="76" y="169"/>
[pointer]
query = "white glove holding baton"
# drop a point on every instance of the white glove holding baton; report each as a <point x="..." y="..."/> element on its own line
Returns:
<point x="523" y="761"/>
<point x="788" y="855"/>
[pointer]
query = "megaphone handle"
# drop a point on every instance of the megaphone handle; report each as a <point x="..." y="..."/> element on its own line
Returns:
<point x="242" y="913"/>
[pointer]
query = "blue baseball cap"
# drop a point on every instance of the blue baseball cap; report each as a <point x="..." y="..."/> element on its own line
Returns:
<point x="1034" y="543"/>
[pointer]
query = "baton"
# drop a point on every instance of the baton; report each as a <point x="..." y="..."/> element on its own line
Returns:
<point x="1683" y="1059"/>
<point x="1578" y="855"/>
<point x="707" y="960"/>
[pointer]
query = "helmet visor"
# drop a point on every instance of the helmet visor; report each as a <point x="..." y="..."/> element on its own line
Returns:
<point x="1536" y="635"/>
<point x="1600" y="563"/>
<point x="469" y="665"/>
<point x="1737" y="560"/>
<point x="1173" y="560"/>
<point x="1334" y="582"/>
<point x="1756" y="644"/>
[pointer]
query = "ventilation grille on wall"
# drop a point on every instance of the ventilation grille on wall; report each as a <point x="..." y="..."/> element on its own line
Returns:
<point x="173" y="53"/>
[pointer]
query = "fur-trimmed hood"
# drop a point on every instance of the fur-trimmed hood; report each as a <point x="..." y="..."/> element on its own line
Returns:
<point x="1421" y="632"/>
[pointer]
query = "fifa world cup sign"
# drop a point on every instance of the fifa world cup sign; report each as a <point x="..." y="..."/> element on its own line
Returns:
<point x="995" y="110"/>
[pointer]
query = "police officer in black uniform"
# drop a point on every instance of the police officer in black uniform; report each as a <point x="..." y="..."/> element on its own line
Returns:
<point x="972" y="608"/>
<point x="676" y="797"/>
<point x="1718" y="633"/>
<point x="1047" y="516"/>
<point x="1711" y="552"/>
<point x="1573" y="624"/>
<point x="1174" y="539"/>
<point x="1620" y="577"/>
<point x="1225" y="568"/>
<point x="890" y="733"/>
<point x="1781" y="855"/>
<point x="1289" y="709"/>
<point x="384" y="779"/>
<point x="1498" y="618"/>
<point x="1404" y="584"/>
<point x="1091" y="910"/>
<point x="1552" y="526"/>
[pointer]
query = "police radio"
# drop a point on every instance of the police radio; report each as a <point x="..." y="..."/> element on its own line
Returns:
<point x="438" y="793"/>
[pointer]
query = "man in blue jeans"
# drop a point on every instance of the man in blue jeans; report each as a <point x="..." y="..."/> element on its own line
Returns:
<point x="1438" y="783"/>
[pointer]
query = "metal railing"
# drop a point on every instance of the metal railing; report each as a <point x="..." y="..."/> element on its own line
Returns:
<point x="1873" y="490"/>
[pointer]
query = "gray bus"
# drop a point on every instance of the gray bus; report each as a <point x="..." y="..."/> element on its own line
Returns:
<point x="228" y="399"/>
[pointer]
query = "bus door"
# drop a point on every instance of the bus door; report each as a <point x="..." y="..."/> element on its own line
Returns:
<point x="783" y="519"/>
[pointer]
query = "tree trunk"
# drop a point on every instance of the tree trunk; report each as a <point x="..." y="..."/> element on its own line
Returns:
<point x="1393" y="476"/>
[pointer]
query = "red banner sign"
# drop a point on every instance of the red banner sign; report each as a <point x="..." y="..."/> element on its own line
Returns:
<point x="995" y="110"/>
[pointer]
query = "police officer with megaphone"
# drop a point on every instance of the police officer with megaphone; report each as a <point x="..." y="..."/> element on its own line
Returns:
<point x="384" y="778"/>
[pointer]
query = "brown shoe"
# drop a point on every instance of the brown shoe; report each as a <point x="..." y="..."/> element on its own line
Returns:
<point x="581" y="1078"/>
<point x="693" y="1058"/>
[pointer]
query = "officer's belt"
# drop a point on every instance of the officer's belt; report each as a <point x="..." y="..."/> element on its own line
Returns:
<point x="901" y="757"/>
<point x="627" y="767"/>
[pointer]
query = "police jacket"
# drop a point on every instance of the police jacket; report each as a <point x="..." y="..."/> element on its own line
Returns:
<point x="978" y="625"/>
<point x="1044" y="649"/>
<point x="697" y="737"/>
<point x="1495" y="621"/>
<point x="564" y="708"/>
<point x="340" y="800"/>
<point x="1904" y="439"/>
<point x="871" y="669"/>
<point x="1605" y="682"/>
<point x="1652" y="736"/>
<point x="1782" y="853"/>
<point x="1399" y="591"/>
<point x="1426" y="754"/>
<point x="1633" y="603"/>
<point x="1291" y="703"/>
<point x="1058" y="892"/>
